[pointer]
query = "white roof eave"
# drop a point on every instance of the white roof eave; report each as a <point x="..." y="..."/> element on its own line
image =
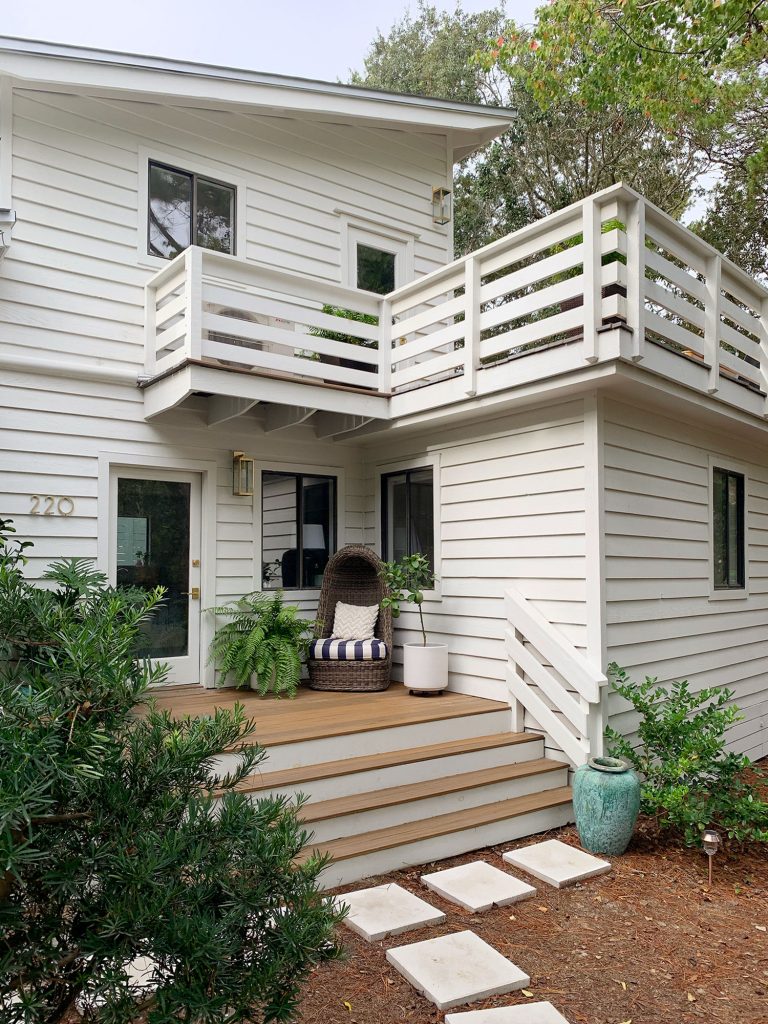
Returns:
<point x="95" y="71"/>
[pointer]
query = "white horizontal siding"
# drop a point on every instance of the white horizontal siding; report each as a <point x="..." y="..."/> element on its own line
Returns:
<point x="661" y="619"/>
<point x="512" y="511"/>
<point x="72" y="285"/>
<point x="51" y="437"/>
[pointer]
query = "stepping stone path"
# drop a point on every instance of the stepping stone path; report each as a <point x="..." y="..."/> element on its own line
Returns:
<point x="557" y="863"/>
<point x="456" y="969"/>
<point x="529" y="1013"/>
<point x="460" y="968"/>
<point x="478" y="886"/>
<point x="387" y="910"/>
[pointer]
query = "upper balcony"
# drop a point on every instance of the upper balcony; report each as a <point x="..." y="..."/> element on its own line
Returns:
<point x="609" y="280"/>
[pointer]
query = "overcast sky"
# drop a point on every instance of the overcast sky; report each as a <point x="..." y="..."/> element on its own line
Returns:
<point x="309" y="38"/>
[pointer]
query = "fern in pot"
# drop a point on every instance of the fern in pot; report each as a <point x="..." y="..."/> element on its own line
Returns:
<point x="425" y="665"/>
<point x="263" y="645"/>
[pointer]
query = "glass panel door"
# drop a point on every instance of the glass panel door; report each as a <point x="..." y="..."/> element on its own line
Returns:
<point x="156" y="542"/>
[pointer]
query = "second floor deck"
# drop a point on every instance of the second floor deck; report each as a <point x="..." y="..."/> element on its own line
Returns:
<point x="610" y="279"/>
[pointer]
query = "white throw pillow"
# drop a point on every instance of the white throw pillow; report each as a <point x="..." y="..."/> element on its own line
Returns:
<point x="354" y="622"/>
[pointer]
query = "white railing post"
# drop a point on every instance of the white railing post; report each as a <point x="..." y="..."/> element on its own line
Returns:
<point x="712" y="306"/>
<point x="764" y="351"/>
<point x="193" y="302"/>
<point x="471" y="324"/>
<point x="385" y="346"/>
<point x="150" y="329"/>
<point x="635" y="223"/>
<point x="593" y="277"/>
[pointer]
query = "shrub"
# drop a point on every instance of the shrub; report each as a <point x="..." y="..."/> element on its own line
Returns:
<point x="689" y="781"/>
<point x="264" y="639"/>
<point x="406" y="581"/>
<point x="112" y="843"/>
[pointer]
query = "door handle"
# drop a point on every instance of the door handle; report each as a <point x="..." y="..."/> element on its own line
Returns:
<point x="194" y="593"/>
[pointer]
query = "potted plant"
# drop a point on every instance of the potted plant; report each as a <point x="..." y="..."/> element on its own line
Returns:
<point x="425" y="665"/>
<point x="263" y="645"/>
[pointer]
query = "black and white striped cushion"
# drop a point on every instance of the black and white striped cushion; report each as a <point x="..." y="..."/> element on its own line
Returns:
<point x="348" y="650"/>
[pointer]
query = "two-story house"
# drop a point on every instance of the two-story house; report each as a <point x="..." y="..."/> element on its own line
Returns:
<point x="233" y="339"/>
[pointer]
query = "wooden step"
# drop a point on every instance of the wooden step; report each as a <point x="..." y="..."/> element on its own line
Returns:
<point x="266" y="781"/>
<point x="442" y="824"/>
<point x="325" y="809"/>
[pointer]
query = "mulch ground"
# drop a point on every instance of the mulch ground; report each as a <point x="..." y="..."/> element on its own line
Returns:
<point x="649" y="943"/>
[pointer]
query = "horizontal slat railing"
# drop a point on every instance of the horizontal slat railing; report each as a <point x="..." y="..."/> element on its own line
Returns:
<point x="552" y="680"/>
<point x="546" y="292"/>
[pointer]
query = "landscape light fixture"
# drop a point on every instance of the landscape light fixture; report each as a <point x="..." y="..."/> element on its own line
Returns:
<point x="242" y="474"/>
<point x="710" y="841"/>
<point x="441" y="205"/>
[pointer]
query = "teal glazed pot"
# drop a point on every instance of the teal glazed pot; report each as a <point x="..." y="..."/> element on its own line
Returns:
<point x="606" y="801"/>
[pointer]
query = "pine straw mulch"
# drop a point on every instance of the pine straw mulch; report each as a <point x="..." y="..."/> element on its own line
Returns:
<point x="648" y="943"/>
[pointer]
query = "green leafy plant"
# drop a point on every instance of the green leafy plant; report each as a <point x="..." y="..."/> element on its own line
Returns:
<point x="406" y="580"/>
<point x="264" y="639"/>
<point x="689" y="780"/>
<point x="117" y="838"/>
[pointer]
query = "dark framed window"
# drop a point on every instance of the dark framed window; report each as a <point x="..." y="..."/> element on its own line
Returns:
<point x="408" y="514"/>
<point x="728" y="529"/>
<point x="298" y="529"/>
<point x="188" y="209"/>
<point x="375" y="269"/>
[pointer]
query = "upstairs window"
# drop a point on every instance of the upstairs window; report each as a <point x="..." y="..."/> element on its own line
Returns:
<point x="298" y="529"/>
<point x="187" y="209"/>
<point x="375" y="269"/>
<point x="409" y="514"/>
<point x="728" y="529"/>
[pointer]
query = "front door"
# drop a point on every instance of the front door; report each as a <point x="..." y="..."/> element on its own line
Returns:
<point x="155" y="541"/>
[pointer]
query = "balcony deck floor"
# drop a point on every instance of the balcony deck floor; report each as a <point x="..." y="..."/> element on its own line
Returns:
<point x="315" y="714"/>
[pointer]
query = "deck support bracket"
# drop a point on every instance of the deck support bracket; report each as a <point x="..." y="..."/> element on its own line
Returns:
<point x="279" y="417"/>
<point x="222" y="408"/>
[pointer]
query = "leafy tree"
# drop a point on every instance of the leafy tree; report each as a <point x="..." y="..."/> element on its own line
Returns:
<point x="697" y="68"/>
<point x="113" y="844"/>
<point x="553" y="155"/>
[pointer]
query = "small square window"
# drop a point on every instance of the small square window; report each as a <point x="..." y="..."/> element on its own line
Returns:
<point x="408" y="513"/>
<point x="375" y="269"/>
<point x="185" y="209"/>
<point x="728" y="529"/>
<point x="298" y="529"/>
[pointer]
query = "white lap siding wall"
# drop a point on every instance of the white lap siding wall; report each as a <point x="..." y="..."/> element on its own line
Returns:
<point x="512" y="510"/>
<point x="662" y="619"/>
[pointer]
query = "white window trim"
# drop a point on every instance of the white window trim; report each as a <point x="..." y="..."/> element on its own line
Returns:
<point x="338" y="472"/>
<point x="356" y="231"/>
<point x="110" y="461"/>
<point x="431" y="461"/>
<point x="191" y="164"/>
<point x="741" y="594"/>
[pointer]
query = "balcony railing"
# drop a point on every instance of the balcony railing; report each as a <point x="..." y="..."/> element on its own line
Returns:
<point x="540" y="302"/>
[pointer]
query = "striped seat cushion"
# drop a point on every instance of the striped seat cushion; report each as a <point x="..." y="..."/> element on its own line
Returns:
<point x="348" y="650"/>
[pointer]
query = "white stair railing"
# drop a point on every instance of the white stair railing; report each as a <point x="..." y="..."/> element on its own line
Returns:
<point x="552" y="680"/>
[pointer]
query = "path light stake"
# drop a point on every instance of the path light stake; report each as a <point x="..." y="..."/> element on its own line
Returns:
<point x="710" y="840"/>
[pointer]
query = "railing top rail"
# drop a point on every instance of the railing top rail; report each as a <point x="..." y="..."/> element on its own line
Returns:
<point x="174" y="266"/>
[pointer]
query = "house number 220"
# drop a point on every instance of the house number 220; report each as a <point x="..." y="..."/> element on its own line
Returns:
<point x="51" y="505"/>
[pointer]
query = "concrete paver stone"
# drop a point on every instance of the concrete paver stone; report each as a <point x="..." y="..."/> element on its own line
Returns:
<point x="478" y="886"/>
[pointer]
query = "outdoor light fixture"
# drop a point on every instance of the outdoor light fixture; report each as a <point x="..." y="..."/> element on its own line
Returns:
<point x="441" y="205"/>
<point x="242" y="474"/>
<point x="710" y="841"/>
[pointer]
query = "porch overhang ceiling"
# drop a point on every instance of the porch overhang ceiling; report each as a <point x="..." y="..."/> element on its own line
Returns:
<point x="153" y="79"/>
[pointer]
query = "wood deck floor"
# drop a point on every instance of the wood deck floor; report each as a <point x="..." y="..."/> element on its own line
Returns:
<point x="313" y="714"/>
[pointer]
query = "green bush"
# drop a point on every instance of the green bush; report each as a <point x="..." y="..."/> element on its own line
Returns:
<point x="112" y="844"/>
<point x="689" y="781"/>
<point x="406" y="582"/>
<point x="264" y="639"/>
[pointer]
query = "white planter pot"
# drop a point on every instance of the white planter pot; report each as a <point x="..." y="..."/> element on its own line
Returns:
<point x="425" y="668"/>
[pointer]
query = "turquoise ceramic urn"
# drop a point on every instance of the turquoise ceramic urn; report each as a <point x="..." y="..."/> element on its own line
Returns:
<point x="606" y="801"/>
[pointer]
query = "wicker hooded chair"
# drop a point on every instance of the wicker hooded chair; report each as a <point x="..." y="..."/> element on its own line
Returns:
<point x="352" y="576"/>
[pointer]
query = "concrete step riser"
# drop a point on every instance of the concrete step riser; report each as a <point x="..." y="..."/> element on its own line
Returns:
<point x="419" y="810"/>
<point x="429" y="851"/>
<point x="416" y="771"/>
<point x="377" y="741"/>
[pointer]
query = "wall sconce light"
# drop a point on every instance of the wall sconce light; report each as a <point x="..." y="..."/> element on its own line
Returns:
<point x="441" y="205"/>
<point x="242" y="474"/>
<point x="710" y="841"/>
